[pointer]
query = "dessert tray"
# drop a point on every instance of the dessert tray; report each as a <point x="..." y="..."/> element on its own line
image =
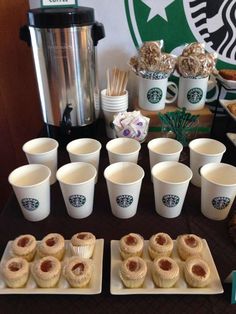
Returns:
<point x="63" y="287"/>
<point x="181" y="287"/>
<point x="229" y="84"/>
<point x="224" y="103"/>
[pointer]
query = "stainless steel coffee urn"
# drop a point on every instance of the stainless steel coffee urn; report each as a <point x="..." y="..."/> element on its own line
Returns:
<point x="64" y="44"/>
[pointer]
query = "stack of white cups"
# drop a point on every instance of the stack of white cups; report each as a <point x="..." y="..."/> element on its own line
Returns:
<point x="111" y="106"/>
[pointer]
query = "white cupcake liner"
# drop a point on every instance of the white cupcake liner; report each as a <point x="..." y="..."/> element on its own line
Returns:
<point x="82" y="251"/>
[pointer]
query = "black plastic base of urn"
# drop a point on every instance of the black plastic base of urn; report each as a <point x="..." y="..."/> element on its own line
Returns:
<point x="75" y="132"/>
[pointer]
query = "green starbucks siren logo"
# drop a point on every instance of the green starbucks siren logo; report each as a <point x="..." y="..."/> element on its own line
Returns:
<point x="170" y="200"/>
<point x="77" y="200"/>
<point x="195" y="95"/>
<point x="220" y="202"/>
<point x="154" y="95"/>
<point x="30" y="203"/>
<point x="124" y="200"/>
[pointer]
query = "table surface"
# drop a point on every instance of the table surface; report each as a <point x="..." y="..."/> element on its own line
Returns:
<point x="104" y="225"/>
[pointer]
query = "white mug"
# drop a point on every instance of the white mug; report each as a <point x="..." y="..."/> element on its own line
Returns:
<point x="152" y="93"/>
<point x="192" y="93"/>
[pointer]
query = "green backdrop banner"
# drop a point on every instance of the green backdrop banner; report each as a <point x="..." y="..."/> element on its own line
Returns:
<point x="177" y="22"/>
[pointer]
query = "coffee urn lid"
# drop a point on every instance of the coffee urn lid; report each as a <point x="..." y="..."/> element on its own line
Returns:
<point x="60" y="17"/>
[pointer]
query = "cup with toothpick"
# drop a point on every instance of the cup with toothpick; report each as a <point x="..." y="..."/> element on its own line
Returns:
<point x="114" y="98"/>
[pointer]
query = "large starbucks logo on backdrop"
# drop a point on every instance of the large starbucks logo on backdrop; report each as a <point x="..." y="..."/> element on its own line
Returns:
<point x="214" y="22"/>
<point x="183" y="21"/>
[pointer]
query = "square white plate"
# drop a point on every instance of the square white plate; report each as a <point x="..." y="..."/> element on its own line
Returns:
<point x="232" y="137"/>
<point x="181" y="287"/>
<point x="94" y="287"/>
<point x="224" y="103"/>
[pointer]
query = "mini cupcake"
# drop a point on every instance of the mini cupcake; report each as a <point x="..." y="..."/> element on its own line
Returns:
<point x="131" y="245"/>
<point x="52" y="244"/>
<point x="133" y="271"/>
<point x="24" y="246"/>
<point x="78" y="271"/>
<point x="159" y="245"/>
<point x="82" y="244"/>
<point x="46" y="271"/>
<point x="197" y="272"/>
<point x="15" y="272"/>
<point x="189" y="245"/>
<point x="165" y="272"/>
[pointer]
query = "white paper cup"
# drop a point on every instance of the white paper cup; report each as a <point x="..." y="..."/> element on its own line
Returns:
<point x="114" y="100"/>
<point x="171" y="181"/>
<point x="124" y="181"/>
<point x="204" y="151"/>
<point x="218" y="190"/>
<point x="32" y="189"/>
<point x="77" y="180"/>
<point x="43" y="150"/>
<point x="123" y="149"/>
<point x="109" y="118"/>
<point x="85" y="150"/>
<point x="163" y="149"/>
<point x="193" y="93"/>
<point x="115" y="109"/>
<point x="111" y="106"/>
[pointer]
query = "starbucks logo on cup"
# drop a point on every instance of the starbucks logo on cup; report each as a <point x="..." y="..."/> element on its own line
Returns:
<point x="30" y="203"/>
<point x="77" y="200"/>
<point x="220" y="202"/>
<point x="124" y="200"/>
<point x="154" y="95"/>
<point x="194" y="95"/>
<point x="170" y="200"/>
<point x="111" y="125"/>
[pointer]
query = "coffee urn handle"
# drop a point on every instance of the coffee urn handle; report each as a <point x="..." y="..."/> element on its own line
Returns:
<point x="24" y="34"/>
<point x="98" y="32"/>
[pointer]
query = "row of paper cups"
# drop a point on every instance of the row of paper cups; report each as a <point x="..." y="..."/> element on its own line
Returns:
<point x="31" y="183"/>
<point x="217" y="180"/>
<point x="169" y="176"/>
